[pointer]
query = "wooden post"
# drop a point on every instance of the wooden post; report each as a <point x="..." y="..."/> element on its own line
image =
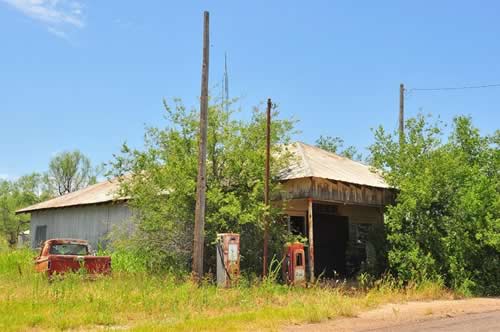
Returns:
<point x="401" y="113"/>
<point x="266" y="185"/>
<point x="199" y="216"/>
<point x="311" y="238"/>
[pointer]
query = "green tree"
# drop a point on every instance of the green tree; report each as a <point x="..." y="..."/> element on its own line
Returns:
<point x="336" y="145"/>
<point x="70" y="171"/>
<point x="162" y="181"/>
<point x="25" y="191"/>
<point x="445" y="222"/>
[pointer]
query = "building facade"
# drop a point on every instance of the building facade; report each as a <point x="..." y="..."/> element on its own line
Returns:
<point x="338" y="205"/>
<point x="89" y="214"/>
<point x="334" y="202"/>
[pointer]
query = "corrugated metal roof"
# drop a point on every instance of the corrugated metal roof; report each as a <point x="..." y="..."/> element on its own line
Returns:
<point x="98" y="193"/>
<point x="311" y="161"/>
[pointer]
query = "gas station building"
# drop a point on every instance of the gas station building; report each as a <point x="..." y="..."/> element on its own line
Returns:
<point x="336" y="203"/>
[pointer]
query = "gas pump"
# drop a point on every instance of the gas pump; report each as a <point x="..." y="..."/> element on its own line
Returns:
<point x="228" y="259"/>
<point x="294" y="265"/>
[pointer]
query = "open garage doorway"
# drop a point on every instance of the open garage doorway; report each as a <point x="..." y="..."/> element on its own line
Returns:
<point x="331" y="233"/>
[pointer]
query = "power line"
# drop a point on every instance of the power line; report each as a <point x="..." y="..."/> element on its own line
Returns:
<point x="455" y="88"/>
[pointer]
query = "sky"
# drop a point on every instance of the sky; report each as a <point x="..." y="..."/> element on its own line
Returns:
<point x="90" y="75"/>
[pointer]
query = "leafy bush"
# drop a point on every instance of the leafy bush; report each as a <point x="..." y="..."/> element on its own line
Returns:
<point x="161" y="178"/>
<point x="445" y="223"/>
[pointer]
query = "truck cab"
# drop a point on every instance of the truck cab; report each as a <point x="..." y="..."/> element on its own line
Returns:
<point x="59" y="256"/>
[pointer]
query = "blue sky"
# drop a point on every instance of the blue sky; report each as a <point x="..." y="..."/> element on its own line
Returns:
<point x="91" y="74"/>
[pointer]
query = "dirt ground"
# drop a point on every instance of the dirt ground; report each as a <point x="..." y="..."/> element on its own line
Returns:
<point x="417" y="316"/>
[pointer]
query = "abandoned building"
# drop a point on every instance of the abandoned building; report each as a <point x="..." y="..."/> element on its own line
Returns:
<point x="332" y="201"/>
<point x="335" y="203"/>
<point x="89" y="214"/>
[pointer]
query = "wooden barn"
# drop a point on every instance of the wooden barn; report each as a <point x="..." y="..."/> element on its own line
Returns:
<point x="335" y="202"/>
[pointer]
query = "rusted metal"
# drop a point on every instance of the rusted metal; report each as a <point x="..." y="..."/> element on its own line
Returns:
<point x="266" y="185"/>
<point x="308" y="161"/>
<point x="311" y="161"/>
<point x="228" y="259"/>
<point x="310" y="238"/>
<point x="294" y="269"/>
<point x="56" y="262"/>
<point x="199" y="216"/>
<point x="98" y="193"/>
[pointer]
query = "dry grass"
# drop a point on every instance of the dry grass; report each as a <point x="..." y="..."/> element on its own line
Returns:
<point x="143" y="302"/>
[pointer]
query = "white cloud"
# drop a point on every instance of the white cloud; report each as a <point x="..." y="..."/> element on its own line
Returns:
<point x="4" y="176"/>
<point x="56" y="14"/>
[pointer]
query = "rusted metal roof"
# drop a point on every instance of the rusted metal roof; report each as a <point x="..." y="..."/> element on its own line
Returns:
<point x="307" y="161"/>
<point x="102" y="192"/>
<point x="311" y="161"/>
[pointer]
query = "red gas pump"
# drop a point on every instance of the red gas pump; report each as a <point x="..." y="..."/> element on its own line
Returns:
<point x="294" y="264"/>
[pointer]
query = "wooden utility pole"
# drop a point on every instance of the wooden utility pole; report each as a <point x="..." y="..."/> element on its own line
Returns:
<point x="201" y="184"/>
<point x="310" y="227"/>
<point x="401" y="113"/>
<point x="266" y="185"/>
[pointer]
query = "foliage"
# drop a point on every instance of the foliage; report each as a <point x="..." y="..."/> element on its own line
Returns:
<point x="141" y="301"/>
<point x="126" y="261"/>
<point x="16" y="194"/>
<point x="365" y="280"/>
<point x="296" y="238"/>
<point x="445" y="222"/>
<point x="161" y="178"/>
<point x="70" y="171"/>
<point x="334" y="144"/>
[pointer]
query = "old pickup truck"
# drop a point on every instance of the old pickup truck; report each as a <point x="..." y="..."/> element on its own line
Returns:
<point x="58" y="256"/>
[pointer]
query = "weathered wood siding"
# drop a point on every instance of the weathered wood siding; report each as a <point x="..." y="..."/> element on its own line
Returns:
<point x="87" y="222"/>
<point x="357" y="214"/>
<point x="362" y="214"/>
<point x="334" y="191"/>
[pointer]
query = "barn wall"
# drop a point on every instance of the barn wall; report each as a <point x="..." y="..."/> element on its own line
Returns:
<point x="88" y="222"/>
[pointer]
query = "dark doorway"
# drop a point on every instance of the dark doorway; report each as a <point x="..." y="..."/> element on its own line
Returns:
<point x="297" y="225"/>
<point x="331" y="233"/>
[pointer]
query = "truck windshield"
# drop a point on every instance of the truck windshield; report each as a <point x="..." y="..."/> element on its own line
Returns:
<point x="69" y="249"/>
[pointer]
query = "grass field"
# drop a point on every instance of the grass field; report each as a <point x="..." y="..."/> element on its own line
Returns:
<point x="143" y="302"/>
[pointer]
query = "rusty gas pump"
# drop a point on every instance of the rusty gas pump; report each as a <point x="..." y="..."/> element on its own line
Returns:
<point x="294" y="265"/>
<point x="228" y="259"/>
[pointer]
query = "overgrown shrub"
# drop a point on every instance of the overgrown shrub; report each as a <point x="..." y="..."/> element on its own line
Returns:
<point x="445" y="223"/>
<point x="161" y="179"/>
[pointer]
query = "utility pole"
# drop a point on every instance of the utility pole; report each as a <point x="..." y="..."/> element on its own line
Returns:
<point x="266" y="185"/>
<point x="201" y="184"/>
<point x="401" y="114"/>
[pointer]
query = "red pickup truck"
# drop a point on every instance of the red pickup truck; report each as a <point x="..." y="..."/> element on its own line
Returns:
<point x="58" y="256"/>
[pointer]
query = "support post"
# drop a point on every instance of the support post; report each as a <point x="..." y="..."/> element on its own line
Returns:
<point x="311" y="238"/>
<point x="199" y="216"/>
<point x="266" y="185"/>
<point x="401" y="113"/>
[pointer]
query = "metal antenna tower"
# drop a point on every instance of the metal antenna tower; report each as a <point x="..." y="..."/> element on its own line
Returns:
<point x="226" y="84"/>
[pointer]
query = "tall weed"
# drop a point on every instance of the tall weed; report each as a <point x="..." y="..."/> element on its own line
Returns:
<point x="145" y="301"/>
